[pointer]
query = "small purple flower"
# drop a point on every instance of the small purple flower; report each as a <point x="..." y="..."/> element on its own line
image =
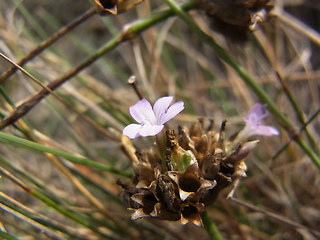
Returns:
<point x="151" y="120"/>
<point x="253" y="123"/>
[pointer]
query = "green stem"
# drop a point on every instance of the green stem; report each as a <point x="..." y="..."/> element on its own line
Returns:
<point x="35" y="220"/>
<point x="210" y="227"/>
<point x="314" y="115"/>
<point x="161" y="145"/>
<point x="298" y="111"/>
<point x="246" y="77"/>
<point x="58" y="207"/>
<point x="7" y="236"/>
<point x="9" y="139"/>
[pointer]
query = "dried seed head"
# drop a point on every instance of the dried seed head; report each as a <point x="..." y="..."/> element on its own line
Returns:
<point x="199" y="164"/>
<point x="233" y="18"/>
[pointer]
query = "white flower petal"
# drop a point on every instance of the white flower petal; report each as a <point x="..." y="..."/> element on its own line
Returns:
<point x="161" y="107"/>
<point x="132" y="130"/>
<point x="265" y="131"/>
<point x="150" y="130"/>
<point x="255" y="114"/>
<point x="173" y="111"/>
<point x="142" y="111"/>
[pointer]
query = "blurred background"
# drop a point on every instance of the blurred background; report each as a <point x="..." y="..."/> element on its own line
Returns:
<point x="54" y="196"/>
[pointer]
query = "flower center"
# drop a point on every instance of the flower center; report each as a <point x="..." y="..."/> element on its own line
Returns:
<point x="254" y="119"/>
<point x="146" y="122"/>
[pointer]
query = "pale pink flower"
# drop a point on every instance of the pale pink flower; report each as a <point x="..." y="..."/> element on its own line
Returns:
<point x="253" y="124"/>
<point x="151" y="120"/>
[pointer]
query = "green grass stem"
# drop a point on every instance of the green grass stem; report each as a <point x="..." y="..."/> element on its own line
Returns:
<point x="211" y="227"/>
<point x="7" y="236"/>
<point x="13" y="140"/>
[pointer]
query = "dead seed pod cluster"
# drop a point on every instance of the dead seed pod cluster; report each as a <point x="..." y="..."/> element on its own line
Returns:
<point x="235" y="18"/>
<point x="198" y="163"/>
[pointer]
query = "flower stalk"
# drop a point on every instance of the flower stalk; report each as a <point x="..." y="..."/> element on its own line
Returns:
<point x="211" y="228"/>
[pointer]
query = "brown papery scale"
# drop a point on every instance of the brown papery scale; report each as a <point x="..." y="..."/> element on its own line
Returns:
<point x="106" y="7"/>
